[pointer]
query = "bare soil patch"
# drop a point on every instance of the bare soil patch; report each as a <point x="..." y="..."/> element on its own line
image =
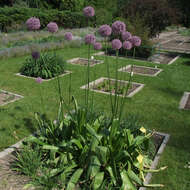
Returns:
<point x="142" y="70"/>
<point x="84" y="62"/>
<point x="7" y="97"/>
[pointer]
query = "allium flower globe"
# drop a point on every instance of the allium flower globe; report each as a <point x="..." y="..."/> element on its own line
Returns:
<point x="126" y="35"/>
<point x="88" y="11"/>
<point x="39" y="80"/>
<point x="136" y="41"/>
<point x="116" y="44"/>
<point x="52" y="27"/>
<point x="105" y="30"/>
<point x="118" y="27"/>
<point x="68" y="36"/>
<point x="97" y="46"/>
<point x="33" y="23"/>
<point x="35" y="55"/>
<point x="90" y="39"/>
<point x="127" y="45"/>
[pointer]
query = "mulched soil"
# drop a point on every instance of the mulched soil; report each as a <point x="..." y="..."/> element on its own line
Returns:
<point x="143" y="70"/>
<point x="6" y="97"/>
<point x="121" y="85"/>
<point x="187" y="105"/>
<point x="84" y="62"/>
<point x="163" y="58"/>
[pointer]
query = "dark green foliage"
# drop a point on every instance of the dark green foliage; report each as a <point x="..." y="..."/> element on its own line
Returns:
<point x="157" y="14"/>
<point x="92" y="153"/>
<point x="47" y="66"/>
<point x="66" y="19"/>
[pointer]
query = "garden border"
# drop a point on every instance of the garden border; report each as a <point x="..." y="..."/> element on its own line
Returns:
<point x="17" y="95"/>
<point x="123" y="69"/>
<point x="147" y="177"/>
<point x="101" y="79"/>
<point x="156" y="158"/>
<point x="34" y="78"/>
<point x="71" y="61"/>
<point x="183" y="101"/>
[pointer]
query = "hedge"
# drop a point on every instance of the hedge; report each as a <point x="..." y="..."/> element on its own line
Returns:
<point x="67" y="19"/>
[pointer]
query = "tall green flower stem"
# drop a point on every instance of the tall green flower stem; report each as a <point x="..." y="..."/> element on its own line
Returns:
<point x="116" y="98"/>
<point x="42" y="101"/>
<point x="108" y="73"/>
<point x="127" y="88"/>
<point x="88" y="79"/>
<point x="70" y="87"/>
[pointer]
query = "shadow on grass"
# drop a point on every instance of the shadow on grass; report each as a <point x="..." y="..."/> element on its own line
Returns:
<point x="29" y="124"/>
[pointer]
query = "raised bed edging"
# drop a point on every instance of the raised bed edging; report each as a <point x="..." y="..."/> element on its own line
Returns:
<point x="157" y="157"/>
<point x="103" y="78"/>
<point x="184" y="100"/>
<point x="14" y="100"/>
<point x="65" y="73"/>
<point x="148" y="176"/>
<point x="123" y="69"/>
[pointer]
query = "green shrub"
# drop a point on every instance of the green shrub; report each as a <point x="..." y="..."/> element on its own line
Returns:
<point x="47" y="66"/>
<point x="9" y="16"/>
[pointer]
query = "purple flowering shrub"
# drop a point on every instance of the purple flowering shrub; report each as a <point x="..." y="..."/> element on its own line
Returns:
<point x="33" y="23"/>
<point x="68" y="36"/>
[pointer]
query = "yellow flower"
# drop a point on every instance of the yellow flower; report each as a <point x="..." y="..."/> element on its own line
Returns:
<point x="143" y="130"/>
<point x="140" y="158"/>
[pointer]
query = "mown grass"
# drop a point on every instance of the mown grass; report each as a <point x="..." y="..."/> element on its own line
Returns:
<point x="155" y="106"/>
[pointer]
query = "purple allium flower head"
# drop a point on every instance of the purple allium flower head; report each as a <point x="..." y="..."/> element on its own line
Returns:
<point x="97" y="46"/>
<point x="126" y="35"/>
<point x="68" y="36"/>
<point x="35" y="55"/>
<point x="88" y="11"/>
<point x="33" y="23"/>
<point x="118" y="27"/>
<point x="39" y="80"/>
<point x="135" y="40"/>
<point x="116" y="44"/>
<point x="90" y="39"/>
<point x="105" y="30"/>
<point x="127" y="45"/>
<point x="52" y="27"/>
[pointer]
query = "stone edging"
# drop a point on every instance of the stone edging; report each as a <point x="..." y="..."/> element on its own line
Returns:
<point x="157" y="157"/>
<point x="44" y="80"/>
<point x="78" y="58"/>
<point x="16" y="95"/>
<point x="102" y="79"/>
<point x="184" y="100"/>
<point x="123" y="69"/>
<point x="173" y="60"/>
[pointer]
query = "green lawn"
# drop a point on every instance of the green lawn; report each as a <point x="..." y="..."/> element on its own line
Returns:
<point x="156" y="106"/>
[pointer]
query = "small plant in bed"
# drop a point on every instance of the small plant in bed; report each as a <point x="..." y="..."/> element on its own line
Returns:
<point x="44" y="65"/>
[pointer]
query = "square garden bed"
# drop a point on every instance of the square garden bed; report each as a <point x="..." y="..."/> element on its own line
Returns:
<point x="8" y="97"/>
<point x="164" y="58"/>
<point x="101" y="85"/>
<point x="65" y="73"/>
<point x="10" y="179"/>
<point x="141" y="70"/>
<point x="84" y="62"/>
<point x="185" y="101"/>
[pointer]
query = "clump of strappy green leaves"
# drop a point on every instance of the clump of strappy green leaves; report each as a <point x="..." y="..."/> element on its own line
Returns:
<point x="78" y="151"/>
<point x="47" y="66"/>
